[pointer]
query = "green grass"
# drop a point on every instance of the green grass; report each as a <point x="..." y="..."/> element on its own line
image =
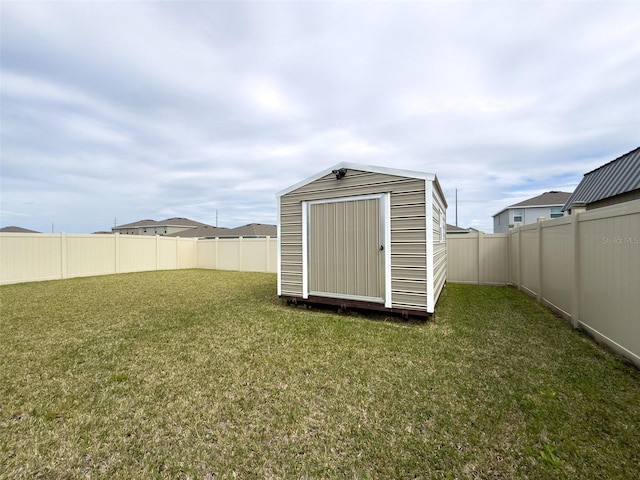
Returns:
<point x="206" y="374"/>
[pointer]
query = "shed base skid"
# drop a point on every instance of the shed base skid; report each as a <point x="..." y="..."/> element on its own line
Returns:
<point x="355" y="304"/>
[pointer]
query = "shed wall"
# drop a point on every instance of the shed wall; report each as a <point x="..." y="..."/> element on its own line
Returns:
<point x="408" y="231"/>
<point x="439" y="220"/>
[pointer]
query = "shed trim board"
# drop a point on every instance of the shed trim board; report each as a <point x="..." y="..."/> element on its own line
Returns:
<point x="279" y="250"/>
<point x="365" y="168"/>
<point x="428" y="215"/>
<point x="349" y="211"/>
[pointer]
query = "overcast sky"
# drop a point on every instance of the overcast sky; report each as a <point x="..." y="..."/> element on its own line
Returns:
<point x="122" y="111"/>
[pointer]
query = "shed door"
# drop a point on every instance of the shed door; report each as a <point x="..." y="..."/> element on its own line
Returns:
<point x="346" y="251"/>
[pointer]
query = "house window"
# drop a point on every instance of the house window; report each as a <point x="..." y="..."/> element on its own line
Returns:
<point x="556" y="212"/>
<point x="517" y="215"/>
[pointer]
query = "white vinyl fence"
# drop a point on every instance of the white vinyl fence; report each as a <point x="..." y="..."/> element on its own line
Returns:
<point x="585" y="266"/>
<point x="30" y="257"/>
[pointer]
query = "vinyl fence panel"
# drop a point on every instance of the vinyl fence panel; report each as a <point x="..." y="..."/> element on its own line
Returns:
<point x="242" y="254"/>
<point x="27" y="257"/>
<point x="585" y="266"/>
<point x="557" y="263"/>
<point x="609" y="277"/>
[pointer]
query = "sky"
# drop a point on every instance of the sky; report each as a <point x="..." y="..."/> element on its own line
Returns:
<point x="113" y="112"/>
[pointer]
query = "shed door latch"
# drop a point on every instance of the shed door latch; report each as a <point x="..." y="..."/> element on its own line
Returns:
<point x="381" y="247"/>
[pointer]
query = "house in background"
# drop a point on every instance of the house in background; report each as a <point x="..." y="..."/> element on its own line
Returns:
<point x="252" y="230"/>
<point x="548" y="205"/>
<point x="163" y="227"/>
<point x="615" y="182"/>
<point x="455" y="230"/>
<point x="14" y="229"/>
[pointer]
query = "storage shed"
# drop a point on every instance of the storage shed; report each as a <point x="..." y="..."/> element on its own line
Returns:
<point x="363" y="236"/>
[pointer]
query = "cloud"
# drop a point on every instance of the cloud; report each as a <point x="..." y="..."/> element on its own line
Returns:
<point x="140" y="110"/>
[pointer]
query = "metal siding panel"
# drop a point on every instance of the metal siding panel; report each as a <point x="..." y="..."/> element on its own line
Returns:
<point x="344" y="256"/>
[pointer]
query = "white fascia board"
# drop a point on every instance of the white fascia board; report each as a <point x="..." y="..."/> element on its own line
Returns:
<point x="548" y="205"/>
<point x="500" y="212"/>
<point x="305" y="250"/>
<point x="429" y="246"/>
<point x="365" y="168"/>
<point x="440" y="192"/>
<point x="388" y="292"/>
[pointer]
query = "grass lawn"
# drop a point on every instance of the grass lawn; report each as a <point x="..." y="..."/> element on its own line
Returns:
<point x="206" y="374"/>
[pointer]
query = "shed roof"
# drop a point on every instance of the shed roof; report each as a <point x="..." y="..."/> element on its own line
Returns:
<point x="367" y="168"/>
<point x="618" y="176"/>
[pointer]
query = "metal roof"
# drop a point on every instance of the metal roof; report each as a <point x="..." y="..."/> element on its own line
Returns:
<point x="614" y="178"/>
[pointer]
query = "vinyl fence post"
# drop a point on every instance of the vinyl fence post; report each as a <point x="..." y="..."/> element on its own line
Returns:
<point x="215" y="253"/>
<point x="480" y="262"/>
<point x="63" y="255"/>
<point x="116" y="241"/>
<point x="520" y="258"/>
<point x="157" y="252"/>
<point x="575" y="287"/>
<point x="508" y="281"/>
<point x="540" y="262"/>
<point x="194" y="252"/>
<point x="177" y="253"/>
<point x="268" y="253"/>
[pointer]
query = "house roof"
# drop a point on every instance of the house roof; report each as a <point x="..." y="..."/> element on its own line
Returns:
<point x="169" y="222"/>
<point x="253" y="230"/>
<point x="201" y="231"/>
<point x="456" y="229"/>
<point x="614" y="178"/>
<point x="181" y="222"/>
<point x="14" y="229"/>
<point x="139" y="223"/>
<point x="553" y="198"/>
<point x="250" y="230"/>
<point x="367" y="168"/>
<point x="547" y="199"/>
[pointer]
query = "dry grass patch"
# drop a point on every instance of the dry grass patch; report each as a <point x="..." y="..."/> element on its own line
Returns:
<point x="205" y="374"/>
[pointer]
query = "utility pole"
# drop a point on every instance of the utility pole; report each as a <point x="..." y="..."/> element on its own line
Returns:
<point x="456" y="207"/>
<point x="216" y="218"/>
